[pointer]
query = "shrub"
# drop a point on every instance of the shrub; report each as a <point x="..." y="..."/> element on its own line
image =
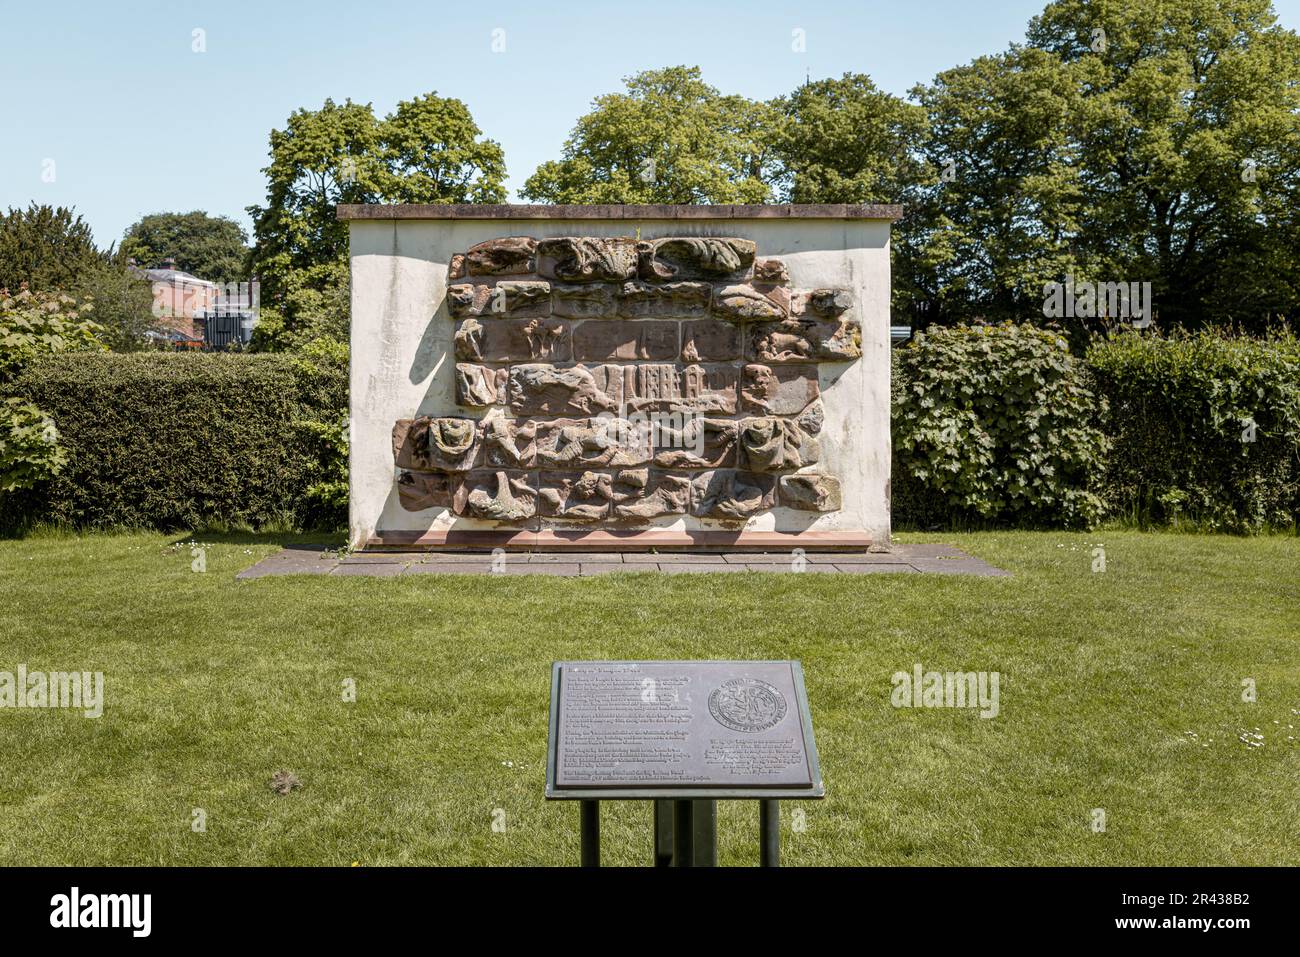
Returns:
<point x="181" y="440"/>
<point x="994" y="425"/>
<point x="34" y="324"/>
<point x="1206" y="428"/>
<point x="29" y="446"/>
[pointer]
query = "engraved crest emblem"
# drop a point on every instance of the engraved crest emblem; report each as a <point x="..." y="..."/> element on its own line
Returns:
<point x="747" y="704"/>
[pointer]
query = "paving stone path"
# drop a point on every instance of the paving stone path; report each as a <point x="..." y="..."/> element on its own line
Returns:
<point x="902" y="559"/>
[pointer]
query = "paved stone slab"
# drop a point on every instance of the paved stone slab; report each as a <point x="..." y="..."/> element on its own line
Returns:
<point x="604" y="568"/>
<point x="450" y="568"/>
<point x="685" y="558"/>
<point x="884" y="567"/>
<point x="371" y="569"/>
<point x="912" y="559"/>
<point x="673" y="568"/>
<point x="604" y="558"/>
<point x="380" y="558"/>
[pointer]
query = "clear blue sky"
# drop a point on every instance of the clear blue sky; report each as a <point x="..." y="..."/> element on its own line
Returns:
<point x="136" y="122"/>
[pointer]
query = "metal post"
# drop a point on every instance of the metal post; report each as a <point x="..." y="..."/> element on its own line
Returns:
<point x="683" y="834"/>
<point x="769" y="833"/>
<point x="705" y="817"/>
<point x="590" y="833"/>
<point x="663" y="833"/>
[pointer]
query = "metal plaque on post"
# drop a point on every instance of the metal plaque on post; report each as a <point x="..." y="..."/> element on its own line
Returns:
<point x="680" y="729"/>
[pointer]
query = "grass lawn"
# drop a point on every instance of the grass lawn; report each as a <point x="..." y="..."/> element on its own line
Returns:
<point x="1120" y="690"/>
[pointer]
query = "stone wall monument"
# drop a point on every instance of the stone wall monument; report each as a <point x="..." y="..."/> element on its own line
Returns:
<point x="631" y="377"/>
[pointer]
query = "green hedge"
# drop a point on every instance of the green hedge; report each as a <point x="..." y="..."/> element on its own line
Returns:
<point x="1206" y="429"/>
<point x="182" y="441"/>
<point x="994" y="425"/>
<point x="998" y="425"/>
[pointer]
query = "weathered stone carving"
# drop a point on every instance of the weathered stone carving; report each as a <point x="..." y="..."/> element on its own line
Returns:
<point x="417" y="491"/>
<point x="431" y="444"/>
<point x="697" y="388"/>
<point x="828" y="303"/>
<point x="697" y="443"/>
<point x="771" y="271"/>
<point x="583" y="301"/>
<point x="745" y="303"/>
<point x="695" y="258"/>
<point x="678" y="300"/>
<point x="507" y="442"/>
<point x="518" y="299"/>
<point x="812" y="418"/>
<point x="498" y="496"/>
<point x="626" y="339"/>
<point x="641" y="494"/>
<point x="551" y="390"/>
<point x="582" y="498"/>
<point x="511" y="256"/>
<point x="812" y="493"/>
<point x="513" y="340"/>
<point x="775" y="445"/>
<point x="478" y="386"/>
<point x="682" y="353"/>
<point x="805" y="339"/>
<point x="587" y="259"/>
<point x="732" y="496"/>
<point x="710" y="340"/>
<point x="784" y="390"/>
<point x="592" y="443"/>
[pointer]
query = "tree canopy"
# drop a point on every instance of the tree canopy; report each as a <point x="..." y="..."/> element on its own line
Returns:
<point x="44" y="247"/>
<point x="428" y="150"/>
<point x="210" y="247"/>
<point x="671" y="138"/>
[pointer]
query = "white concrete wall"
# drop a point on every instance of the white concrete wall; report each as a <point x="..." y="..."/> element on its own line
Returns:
<point x="403" y="364"/>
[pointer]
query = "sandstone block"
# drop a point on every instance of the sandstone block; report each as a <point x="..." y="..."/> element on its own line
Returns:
<point x="513" y="340"/>
<point x="709" y="340"/>
<point x="812" y="493"/>
<point x="509" y="256"/>
<point x="730" y="495"/>
<point x="478" y="386"/>
<point x="679" y="300"/>
<point x="587" y="259"/>
<point x="780" y="390"/>
<point x="695" y="258"/>
<point x="626" y="339"/>
<point x="496" y="496"/>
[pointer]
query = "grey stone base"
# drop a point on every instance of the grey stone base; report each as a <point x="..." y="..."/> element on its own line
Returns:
<point x="902" y="559"/>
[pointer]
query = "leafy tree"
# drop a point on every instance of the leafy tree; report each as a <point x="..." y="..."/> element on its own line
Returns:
<point x="44" y="247"/>
<point x="36" y="323"/>
<point x="1001" y="213"/>
<point x="33" y="324"/>
<point x="210" y="247"/>
<point x="120" y="303"/>
<point x="1189" y="151"/>
<point x="671" y="138"/>
<point x="1132" y="140"/>
<point x="846" y="141"/>
<point x="428" y="150"/>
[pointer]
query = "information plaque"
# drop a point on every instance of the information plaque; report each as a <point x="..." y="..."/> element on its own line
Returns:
<point x="680" y="729"/>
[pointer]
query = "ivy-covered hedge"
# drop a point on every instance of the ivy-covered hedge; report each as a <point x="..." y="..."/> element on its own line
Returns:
<point x="1000" y="425"/>
<point x="994" y="425"/>
<point x="1206" y="428"/>
<point x="168" y="440"/>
